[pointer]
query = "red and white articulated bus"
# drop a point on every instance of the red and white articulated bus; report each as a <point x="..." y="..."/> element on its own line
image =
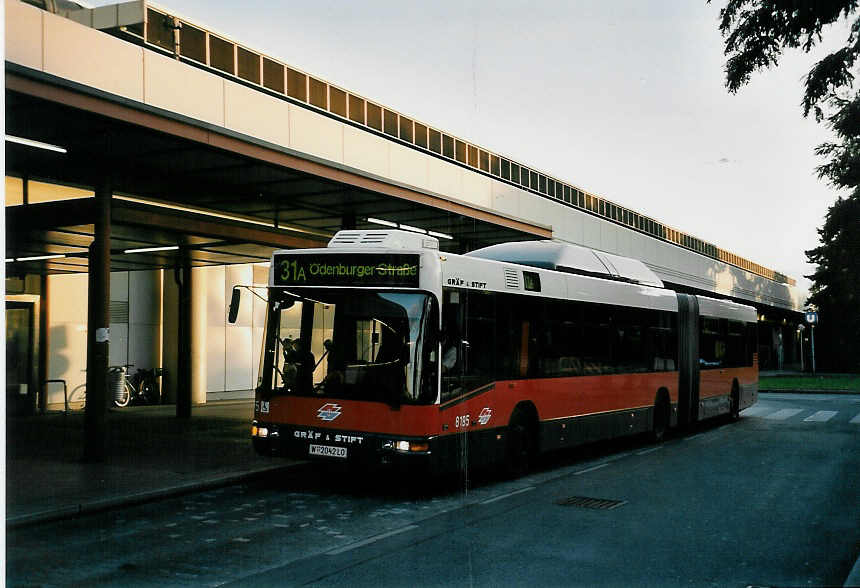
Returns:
<point x="382" y="349"/>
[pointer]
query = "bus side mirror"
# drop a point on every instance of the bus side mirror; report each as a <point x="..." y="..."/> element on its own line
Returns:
<point x="234" y="306"/>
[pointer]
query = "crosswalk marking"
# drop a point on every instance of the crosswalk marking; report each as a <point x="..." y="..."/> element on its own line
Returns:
<point x="856" y="420"/>
<point x="783" y="414"/>
<point x="757" y="410"/>
<point x="822" y="416"/>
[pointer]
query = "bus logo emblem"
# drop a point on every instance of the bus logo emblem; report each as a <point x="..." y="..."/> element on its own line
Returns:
<point x="329" y="411"/>
<point x="485" y="416"/>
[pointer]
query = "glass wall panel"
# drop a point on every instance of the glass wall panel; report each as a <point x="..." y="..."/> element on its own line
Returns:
<point x="421" y="135"/>
<point x="297" y="85"/>
<point x="273" y="75"/>
<point x="390" y="123"/>
<point x="249" y="65"/>
<point x="473" y="156"/>
<point x="494" y="165"/>
<point x="435" y="141"/>
<point x="221" y="55"/>
<point x="192" y="43"/>
<point x="506" y="169"/>
<point x="356" y="109"/>
<point x="318" y="93"/>
<point x="461" y="151"/>
<point x="159" y="29"/>
<point x="485" y="160"/>
<point x="374" y="116"/>
<point x="406" y="129"/>
<point x="515" y="173"/>
<point x="337" y="101"/>
<point x="448" y="146"/>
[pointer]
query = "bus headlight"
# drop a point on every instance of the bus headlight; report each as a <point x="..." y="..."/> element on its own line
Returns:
<point x="410" y="446"/>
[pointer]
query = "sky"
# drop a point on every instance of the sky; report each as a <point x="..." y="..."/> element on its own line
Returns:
<point x="625" y="99"/>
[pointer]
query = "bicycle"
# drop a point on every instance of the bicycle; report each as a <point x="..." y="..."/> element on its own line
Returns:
<point x="140" y="387"/>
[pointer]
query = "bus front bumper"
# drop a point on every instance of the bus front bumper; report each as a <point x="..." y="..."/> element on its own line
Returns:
<point x="342" y="446"/>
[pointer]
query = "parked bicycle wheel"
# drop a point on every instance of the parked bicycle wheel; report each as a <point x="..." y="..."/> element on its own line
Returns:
<point x="118" y="387"/>
<point x="122" y="397"/>
<point x="149" y="388"/>
<point x="78" y="395"/>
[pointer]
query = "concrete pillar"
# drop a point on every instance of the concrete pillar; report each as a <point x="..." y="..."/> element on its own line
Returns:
<point x="169" y="338"/>
<point x="159" y="357"/>
<point x="198" y="335"/>
<point x="182" y="277"/>
<point x="98" y="332"/>
<point x="44" y="344"/>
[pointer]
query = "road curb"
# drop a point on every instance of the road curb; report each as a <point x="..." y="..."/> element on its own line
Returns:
<point x="95" y="506"/>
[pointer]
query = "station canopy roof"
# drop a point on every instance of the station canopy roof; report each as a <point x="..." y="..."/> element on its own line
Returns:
<point x="226" y="205"/>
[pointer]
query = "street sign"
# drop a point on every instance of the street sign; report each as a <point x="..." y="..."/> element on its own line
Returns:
<point x="812" y="319"/>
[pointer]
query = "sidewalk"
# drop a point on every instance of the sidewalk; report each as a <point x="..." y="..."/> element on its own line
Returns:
<point x="150" y="454"/>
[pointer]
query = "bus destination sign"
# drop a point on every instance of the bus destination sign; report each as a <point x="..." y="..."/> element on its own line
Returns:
<point x="397" y="270"/>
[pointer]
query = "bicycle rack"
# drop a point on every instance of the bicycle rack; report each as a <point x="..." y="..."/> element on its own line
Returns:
<point x="65" y="392"/>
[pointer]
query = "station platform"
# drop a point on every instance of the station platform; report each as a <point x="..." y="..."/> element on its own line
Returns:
<point x="150" y="454"/>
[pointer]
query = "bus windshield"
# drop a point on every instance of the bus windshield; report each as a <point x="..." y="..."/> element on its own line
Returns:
<point x="351" y="344"/>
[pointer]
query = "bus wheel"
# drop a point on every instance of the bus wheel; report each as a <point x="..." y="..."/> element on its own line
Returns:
<point x="520" y="446"/>
<point x="735" y="410"/>
<point x="661" y="420"/>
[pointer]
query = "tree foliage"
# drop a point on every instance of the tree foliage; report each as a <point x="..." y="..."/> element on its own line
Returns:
<point x="756" y="33"/>
<point x="836" y="285"/>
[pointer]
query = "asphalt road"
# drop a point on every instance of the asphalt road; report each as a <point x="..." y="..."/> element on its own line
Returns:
<point x="771" y="500"/>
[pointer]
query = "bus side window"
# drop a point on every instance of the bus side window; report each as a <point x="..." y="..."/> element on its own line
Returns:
<point x="430" y="353"/>
<point x="452" y="337"/>
<point x="468" y="340"/>
<point x="480" y="334"/>
<point x="507" y="342"/>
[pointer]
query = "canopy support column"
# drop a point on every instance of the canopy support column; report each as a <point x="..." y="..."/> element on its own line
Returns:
<point x="98" y="331"/>
<point x="182" y="275"/>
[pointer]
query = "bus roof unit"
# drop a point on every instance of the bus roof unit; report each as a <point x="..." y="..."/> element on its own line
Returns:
<point x="387" y="239"/>
<point x="571" y="259"/>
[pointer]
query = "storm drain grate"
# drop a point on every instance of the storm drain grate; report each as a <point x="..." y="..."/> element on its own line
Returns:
<point x="593" y="503"/>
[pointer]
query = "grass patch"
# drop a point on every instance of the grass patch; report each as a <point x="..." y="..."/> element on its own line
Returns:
<point x="810" y="383"/>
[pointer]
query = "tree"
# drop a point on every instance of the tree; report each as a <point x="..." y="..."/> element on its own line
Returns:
<point x="756" y="32"/>
<point x="836" y="286"/>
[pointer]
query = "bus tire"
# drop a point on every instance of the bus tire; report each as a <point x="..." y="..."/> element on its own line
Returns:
<point x="735" y="410"/>
<point x="661" y="418"/>
<point x="521" y="444"/>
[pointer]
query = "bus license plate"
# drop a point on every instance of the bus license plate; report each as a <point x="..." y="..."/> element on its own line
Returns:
<point x="327" y="451"/>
